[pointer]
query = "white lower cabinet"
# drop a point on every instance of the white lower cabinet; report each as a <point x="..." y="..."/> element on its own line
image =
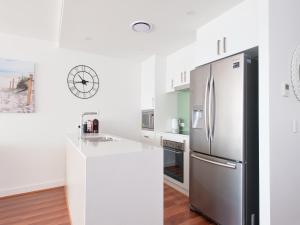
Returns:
<point x="149" y="137"/>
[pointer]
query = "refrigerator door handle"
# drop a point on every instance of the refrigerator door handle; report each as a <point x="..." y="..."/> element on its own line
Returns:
<point x="212" y="108"/>
<point x="227" y="165"/>
<point x="206" y="112"/>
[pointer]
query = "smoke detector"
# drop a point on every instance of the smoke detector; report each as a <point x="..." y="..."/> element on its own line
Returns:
<point x="141" y="26"/>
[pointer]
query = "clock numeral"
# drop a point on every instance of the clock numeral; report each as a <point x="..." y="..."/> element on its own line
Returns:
<point x="80" y="94"/>
<point x="87" y="95"/>
<point x="71" y="81"/>
<point x="73" y="89"/>
<point x="94" y="90"/>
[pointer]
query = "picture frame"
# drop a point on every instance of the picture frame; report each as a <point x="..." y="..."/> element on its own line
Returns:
<point x="17" y="86"/>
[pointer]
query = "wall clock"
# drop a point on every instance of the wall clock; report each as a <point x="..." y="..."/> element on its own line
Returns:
<point x="296" y="72"/>
<point x="83" y="81"/>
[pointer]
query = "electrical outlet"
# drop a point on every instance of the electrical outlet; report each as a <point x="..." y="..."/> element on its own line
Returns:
<point x="285" y="89"/>
<point x="295" y="127"/>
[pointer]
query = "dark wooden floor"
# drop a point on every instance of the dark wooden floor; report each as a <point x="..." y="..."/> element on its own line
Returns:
<point x="37" y="208"/>
<point x="49" y="208"/>
<point x="176" y="209"/>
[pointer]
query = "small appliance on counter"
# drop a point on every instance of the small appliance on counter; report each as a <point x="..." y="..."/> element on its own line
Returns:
<point x="177" y="126"/>
<point x="95" y="126"/>
<point x="88" y="126"/>
<point x="91" y="126"/>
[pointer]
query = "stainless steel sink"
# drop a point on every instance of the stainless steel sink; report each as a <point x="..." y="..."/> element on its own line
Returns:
<point x="98" y="138"/>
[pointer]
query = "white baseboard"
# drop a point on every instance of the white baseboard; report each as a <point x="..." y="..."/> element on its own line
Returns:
<point x="31" y="188"/>
<point x="176" y="187"/>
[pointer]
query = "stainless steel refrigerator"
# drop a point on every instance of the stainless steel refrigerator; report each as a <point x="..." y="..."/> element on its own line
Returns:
<point x="224" y="141"/>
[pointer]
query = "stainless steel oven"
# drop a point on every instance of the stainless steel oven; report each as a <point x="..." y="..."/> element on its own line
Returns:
<point x="174" y="159"/>
<point x="148" y="119"/>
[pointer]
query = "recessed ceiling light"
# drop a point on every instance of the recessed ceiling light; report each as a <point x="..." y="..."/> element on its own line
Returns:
<point x="141" y="26"/>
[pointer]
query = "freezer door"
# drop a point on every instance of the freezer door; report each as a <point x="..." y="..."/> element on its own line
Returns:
<point x="216" y="189"/>
<point x="199" y="89"/>
<point x="227" y="108"/>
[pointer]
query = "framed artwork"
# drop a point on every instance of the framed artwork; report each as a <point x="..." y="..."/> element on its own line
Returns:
<point x="17" y="91"/>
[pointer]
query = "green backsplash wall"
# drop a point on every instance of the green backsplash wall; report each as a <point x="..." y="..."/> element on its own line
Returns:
<point x="183" y="108"/>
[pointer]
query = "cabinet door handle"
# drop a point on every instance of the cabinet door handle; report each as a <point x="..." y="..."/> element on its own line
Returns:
<point x="218" y="47"/>
<point x="224" y="44"/>
<point x="184" y="76"/>
<point x="172" y="83"/>
<point x="181" y="77"/>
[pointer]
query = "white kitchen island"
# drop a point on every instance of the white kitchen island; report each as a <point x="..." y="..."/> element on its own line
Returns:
<point x="117" y="182"/>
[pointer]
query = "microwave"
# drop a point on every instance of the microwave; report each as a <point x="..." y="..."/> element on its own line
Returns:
<point x="148" y="119"/>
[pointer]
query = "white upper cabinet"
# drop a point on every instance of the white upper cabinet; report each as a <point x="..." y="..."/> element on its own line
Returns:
<point x="171" y="72"/>
<point x="233" y="32"/>
<point x="148" y="83"/>
<point x="179" y="66"/>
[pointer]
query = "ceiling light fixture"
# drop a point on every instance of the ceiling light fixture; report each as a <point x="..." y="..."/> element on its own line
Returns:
<point x="141" y="26"/>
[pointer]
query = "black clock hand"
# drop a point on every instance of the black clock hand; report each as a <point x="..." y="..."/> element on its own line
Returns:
<point x="80" y="77"/>
<point x="84" y="82"/>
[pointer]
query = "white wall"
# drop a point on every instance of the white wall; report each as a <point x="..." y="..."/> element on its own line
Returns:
<point x="280" y="38"/>
<point x="32" y="151"/>
<point x="284" y="145"/>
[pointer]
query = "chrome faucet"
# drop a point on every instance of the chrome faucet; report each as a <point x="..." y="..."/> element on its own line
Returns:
<point x="81" y="121"/>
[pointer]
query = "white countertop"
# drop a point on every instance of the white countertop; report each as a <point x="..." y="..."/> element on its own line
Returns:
<point x="119" y="145"/>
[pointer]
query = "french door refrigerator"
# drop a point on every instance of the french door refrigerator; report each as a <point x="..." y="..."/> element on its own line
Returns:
<point x="224" y="141"/>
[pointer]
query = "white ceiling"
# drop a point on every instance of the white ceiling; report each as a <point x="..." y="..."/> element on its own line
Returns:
<point x="105" y="23"/>
<point x="31" y="18"/>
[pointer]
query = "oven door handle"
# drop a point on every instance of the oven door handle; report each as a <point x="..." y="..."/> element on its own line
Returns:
<point x="174" y="151"/>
